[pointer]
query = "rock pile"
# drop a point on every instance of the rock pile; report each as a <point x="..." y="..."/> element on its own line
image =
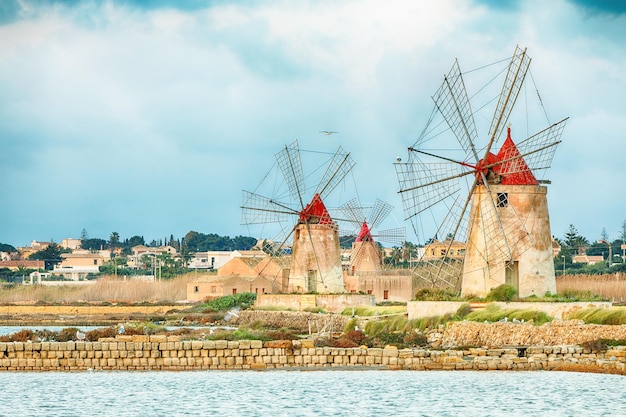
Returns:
<point x="302" y="322"/>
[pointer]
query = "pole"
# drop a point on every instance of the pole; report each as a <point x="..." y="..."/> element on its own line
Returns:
<point x="563" y="265"/>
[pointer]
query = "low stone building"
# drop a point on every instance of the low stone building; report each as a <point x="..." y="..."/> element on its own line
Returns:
<point x="587" y="259"/>
<point x="392" y="285"/>
<point x="211" y="287"/>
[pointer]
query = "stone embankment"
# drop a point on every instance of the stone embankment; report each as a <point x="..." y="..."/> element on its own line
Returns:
<point x="554" y="333"/>
<point x="162" y="352"/>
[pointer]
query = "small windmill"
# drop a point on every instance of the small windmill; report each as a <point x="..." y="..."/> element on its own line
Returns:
<point x="303" y="219"/>
<point x="493" y="204"/>
<point x="366" y="254"/>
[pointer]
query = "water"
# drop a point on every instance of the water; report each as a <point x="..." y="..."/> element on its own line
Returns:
<point x="313" y="393"/>
<point x="9" y="330"/>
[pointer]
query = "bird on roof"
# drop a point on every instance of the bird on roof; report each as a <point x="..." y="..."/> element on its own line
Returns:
<point x="80" y="335"/>
<point x="328" y="132"/>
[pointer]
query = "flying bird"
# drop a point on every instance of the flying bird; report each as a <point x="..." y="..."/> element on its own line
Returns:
<point x="328" y="132"/>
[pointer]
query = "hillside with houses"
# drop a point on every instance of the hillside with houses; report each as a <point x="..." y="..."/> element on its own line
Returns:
<point x="248" y="265"/>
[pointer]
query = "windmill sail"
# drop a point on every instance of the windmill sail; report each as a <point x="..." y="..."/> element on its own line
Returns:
<point x="488" y="213"/>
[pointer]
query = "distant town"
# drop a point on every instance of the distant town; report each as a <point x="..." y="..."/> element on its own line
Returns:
<point x="86" y="258"/>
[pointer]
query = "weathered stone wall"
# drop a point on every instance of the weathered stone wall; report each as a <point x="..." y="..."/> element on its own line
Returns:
<point x="417" y="309"/>
<point x="298" y="321"/>
<point x="556" y="332"/>
<point x="172" y="353"/>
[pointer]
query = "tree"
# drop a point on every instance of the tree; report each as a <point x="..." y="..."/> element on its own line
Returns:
<point x="243" y="242"/>
<point x="409" y="251"/>
<point x="622" y="234"/>
<point x="199" y="242"/>
<point x="50" y="255"/>
<point x="604" y="235"/>
<point x="185" y="254"/>
<point x="396" y="255"/>
<point x="94" y="244"/>
<point x="114" y="241"/>
<point x="575" y="242"/>
<point x="7" y="248"/>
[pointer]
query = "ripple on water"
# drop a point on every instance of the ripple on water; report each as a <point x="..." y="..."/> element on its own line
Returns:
<point x="313" y="393"/>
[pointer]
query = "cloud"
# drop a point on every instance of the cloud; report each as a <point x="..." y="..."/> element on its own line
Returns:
<point x="606" y="7"/>
<point x="150" y="118"/>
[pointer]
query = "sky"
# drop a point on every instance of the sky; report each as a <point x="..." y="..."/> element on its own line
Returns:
<point x="149" y="118"/>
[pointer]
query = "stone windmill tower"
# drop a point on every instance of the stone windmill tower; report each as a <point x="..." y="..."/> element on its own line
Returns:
<point x="366" y="254"/>
<point x="495" y="203"/>
<point x="309" y="236"/>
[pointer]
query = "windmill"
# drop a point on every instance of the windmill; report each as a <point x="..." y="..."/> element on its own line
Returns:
<point x="303" y="219"/>
<point x="485" y="214"/>
<point x="366" y="255"/>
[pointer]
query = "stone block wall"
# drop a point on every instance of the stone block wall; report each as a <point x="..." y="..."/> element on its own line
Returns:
<point x="172" y="353"/>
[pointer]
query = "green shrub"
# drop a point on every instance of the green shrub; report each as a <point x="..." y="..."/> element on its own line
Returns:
<point x="350" y="325"/>
<point x="373" y="310"/>
<point x="415" y="339"/>
<point x="356" y="336"/>
<point x="391" y="303"/>
<point x="502" y="292"/>
<point x="243" y="300"/>
<point x="614" y="316"/>
<point x="431" y="322"/>
<point x="239" y="334"/>
<point x="492" y="313"/>
<point x="436" y="294"/>
<point x="463" y="310"/>
<point x="315" y="310"/>
<point x="394" y="339"/>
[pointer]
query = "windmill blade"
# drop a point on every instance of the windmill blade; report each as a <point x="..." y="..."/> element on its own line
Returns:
<point x="394" y="237"/>
<point x="442" y="270"/>
<point x="257" y="209"/>
<point x="290" y="165"/>
<point x="284" y="261"/>
<point x="379" y="213"/>
<point x="423" y="185"/>
<point x="352" y="211"/>
<point x="452" y="102"/>
<point x="339" y="166"/>
<point x="518" y="67"/>
<point x="538" y="150"/>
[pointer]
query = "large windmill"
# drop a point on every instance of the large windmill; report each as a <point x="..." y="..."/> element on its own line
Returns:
<point x="304" y="221"/>
<point x="493" y="203"/>
<point x="366" y="254"/>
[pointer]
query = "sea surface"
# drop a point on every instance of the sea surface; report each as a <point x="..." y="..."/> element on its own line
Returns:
<point x="312" y="393"/>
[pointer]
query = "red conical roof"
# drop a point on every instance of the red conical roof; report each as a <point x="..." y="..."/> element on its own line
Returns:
<point x="514" y="170"/>
<point x="315" y="212"/>
<point x="364" y="234"/>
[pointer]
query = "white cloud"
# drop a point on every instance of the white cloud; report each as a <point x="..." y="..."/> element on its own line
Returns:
<point x="201" y="101"/>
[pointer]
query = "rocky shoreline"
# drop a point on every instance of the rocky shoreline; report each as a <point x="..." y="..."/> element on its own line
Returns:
<point x="453" y="336"/>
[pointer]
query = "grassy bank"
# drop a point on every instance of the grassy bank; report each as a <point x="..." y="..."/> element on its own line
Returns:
<point x="106" y="289"/>
<point x="610" y="286"/>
